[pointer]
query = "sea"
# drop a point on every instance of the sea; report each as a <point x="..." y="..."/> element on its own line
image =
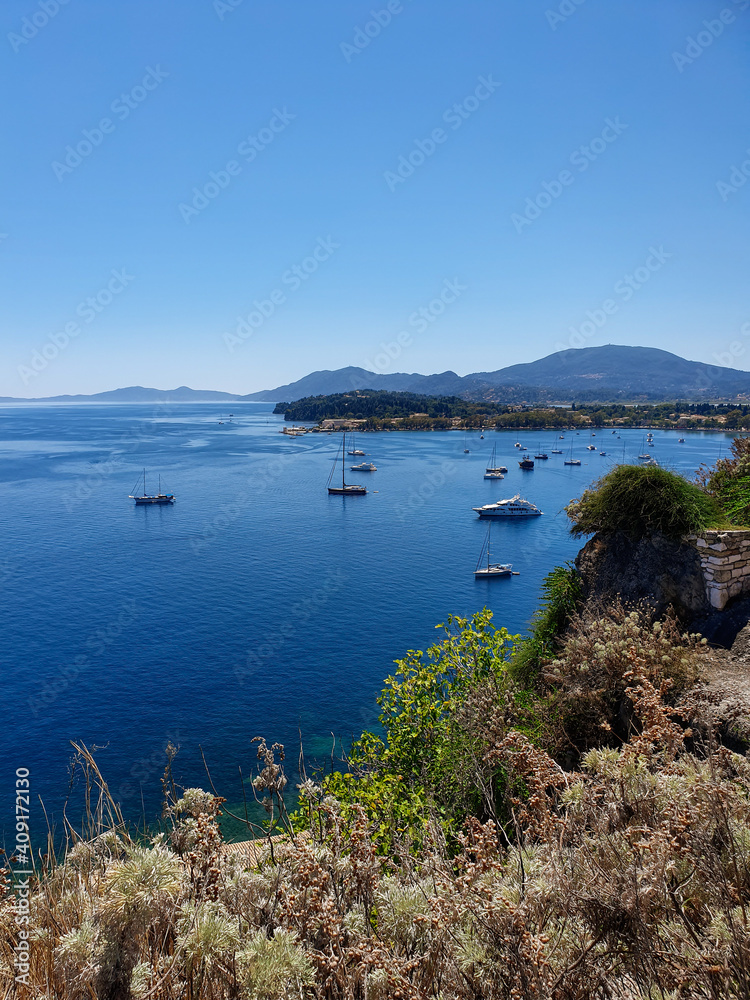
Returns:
<point x="257" y="605"/>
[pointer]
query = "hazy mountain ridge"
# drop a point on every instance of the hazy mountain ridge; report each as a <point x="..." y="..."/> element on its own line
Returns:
<point x="589" y="374"/>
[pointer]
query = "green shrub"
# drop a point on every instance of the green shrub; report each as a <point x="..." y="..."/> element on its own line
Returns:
<point x="561" y="595"/>
<point x="642" y="501"/>
<point x="728" y="482"/>
<point x="440" y="712"/>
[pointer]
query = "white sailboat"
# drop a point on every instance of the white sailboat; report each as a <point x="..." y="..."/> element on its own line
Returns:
<point x="346" y="489"/>
<point x="570" y="460"/>
<point x="485" y="567"/>
<point x="493" y="470"/>
<point x="353" y="450"/>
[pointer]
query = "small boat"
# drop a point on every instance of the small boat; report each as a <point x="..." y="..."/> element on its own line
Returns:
<point x="570" y="460"/>
<point x="542" y="456"/>
<point x="555" y="451"/>
<point x="562" y="437"/>
<point x="493" y="470"/>
<point x="590" y="447"/>
<point x="145" y="497"/>
<point x="490" y="568"/>
<point x="645" y="456"/>
<point x="602" y="453"/>
<point x="363" y="467"/>
<point x="517" y="444"/>
<point x="466" y="450"/>
<point x="680" y="440"/>
<point x="345" y="489"/>
<point x="353" y="450"/>
<point x="527" y="462"/>
<point x="514" y="507"/>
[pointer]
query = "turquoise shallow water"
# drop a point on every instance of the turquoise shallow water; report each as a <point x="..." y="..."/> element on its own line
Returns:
<point x="257" y="604"/>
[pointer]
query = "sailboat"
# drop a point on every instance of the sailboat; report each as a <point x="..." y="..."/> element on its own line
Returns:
<point x="543" y="456"/>
<point x="353" y="450"/>
<point x="344" y="489"/>
<point x="494" y="471"/>
<point x="489" y="568"/>
<point x="145" y="497"/>
<point x="466" y="450"/>
<point x="570" y="460"/>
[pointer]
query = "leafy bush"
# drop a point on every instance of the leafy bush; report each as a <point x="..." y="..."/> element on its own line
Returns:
<point x="441" y="711"/>
<point x="642" y="501"/>
<point x="728" y="482"/>
<point x="561" y="595"/>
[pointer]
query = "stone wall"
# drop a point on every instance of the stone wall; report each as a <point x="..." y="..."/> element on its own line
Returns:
<point x="725" y="564"/>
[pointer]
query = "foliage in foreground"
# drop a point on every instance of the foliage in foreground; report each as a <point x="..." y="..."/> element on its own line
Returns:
<point x="728" y="482"/>
<point x="642" y="500"/>
<point x="561" y="597"/>
<point x="626" y="876"/>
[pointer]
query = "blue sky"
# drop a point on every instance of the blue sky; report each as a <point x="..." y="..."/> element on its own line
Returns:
<point x="547" y="152"/>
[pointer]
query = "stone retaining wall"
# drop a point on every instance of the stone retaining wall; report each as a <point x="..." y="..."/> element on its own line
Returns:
<point x="725" y="563"/>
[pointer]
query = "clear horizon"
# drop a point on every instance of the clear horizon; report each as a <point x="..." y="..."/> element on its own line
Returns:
<point x="230" y="195"/>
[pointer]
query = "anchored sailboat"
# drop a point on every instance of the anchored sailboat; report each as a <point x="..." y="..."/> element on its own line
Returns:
<point x="353" y="450"/>
<point x="485" y="567"/>
<point x="493" y="470"/>
<point x="345" y="489"/>
<point x="143" y="497"/>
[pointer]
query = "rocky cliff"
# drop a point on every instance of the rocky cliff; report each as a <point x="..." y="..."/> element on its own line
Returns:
<point x="656" y="570"/>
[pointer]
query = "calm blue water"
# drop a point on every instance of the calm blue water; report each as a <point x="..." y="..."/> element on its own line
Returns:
<point x="257" y="604"/>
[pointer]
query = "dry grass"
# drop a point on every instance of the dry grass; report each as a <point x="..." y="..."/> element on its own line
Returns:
<point x="626" y="877"/>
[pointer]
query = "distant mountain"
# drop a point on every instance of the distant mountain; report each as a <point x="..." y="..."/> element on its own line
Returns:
<point x="613" y="373"/>
<point x="587" y="374"/>
<point x="607" y="374"/>
<point x="135" y="394"/>
<point x="326" y="383"/>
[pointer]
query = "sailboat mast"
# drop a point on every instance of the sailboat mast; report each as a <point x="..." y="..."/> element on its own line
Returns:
<point x="343" y="458"/>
